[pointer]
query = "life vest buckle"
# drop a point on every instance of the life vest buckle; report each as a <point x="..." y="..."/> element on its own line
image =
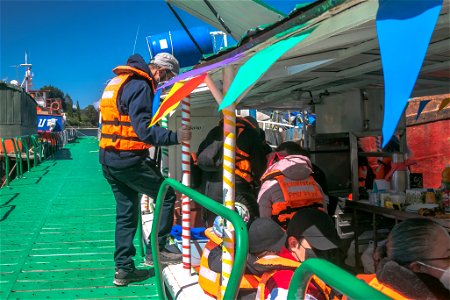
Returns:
<point x="116" y="122"/>
<point x="114" y="137"/>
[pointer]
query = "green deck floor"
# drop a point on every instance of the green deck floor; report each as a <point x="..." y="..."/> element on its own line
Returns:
<point x="57" y="231"/>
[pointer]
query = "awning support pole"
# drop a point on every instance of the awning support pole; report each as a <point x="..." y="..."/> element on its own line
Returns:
<point x="186" y="180"/>
<point x="229" y="133"/>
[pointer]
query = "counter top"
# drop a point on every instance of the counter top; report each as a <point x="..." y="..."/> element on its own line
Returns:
<point x="364" y="205"/>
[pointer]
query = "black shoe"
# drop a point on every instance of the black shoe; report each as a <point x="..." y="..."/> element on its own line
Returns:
<point x="165" y="257"/>
<point x="123" y="278"/>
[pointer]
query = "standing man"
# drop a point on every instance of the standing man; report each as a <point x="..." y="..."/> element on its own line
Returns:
<point x="126" y="109"/>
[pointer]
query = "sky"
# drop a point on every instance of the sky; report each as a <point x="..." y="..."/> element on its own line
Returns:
<point x="74" y="45"/>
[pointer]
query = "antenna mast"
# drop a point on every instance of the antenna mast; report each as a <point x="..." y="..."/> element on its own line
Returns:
<point x="27" y="80"/>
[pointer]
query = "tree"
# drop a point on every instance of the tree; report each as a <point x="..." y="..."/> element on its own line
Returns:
<point x="78" y="112"/>
<point x="90" y="116"/>
<point x="54" y="92"/>
<point x="68" y="103"/>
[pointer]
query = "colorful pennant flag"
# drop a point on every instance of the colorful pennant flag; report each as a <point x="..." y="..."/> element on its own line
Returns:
<point x="404" y="31"/>
<point x="179" y="91"/>
<point x="252" y="70"/>
<point x="443" y="104"/>
<point x="422" y="105"/>
<point x="201" y="70"/>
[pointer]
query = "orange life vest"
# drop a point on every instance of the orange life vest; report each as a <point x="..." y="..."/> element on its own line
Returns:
<point x="296" y="194"/>
<point x="383" y="167"/>
<point x="362" y="175"/>
<point x="278" y="262"/>
<point x="243" y="168"/>
<point x="209" y="280"/>
<point x="117" y="132"/>
<point x="372" y="280"/>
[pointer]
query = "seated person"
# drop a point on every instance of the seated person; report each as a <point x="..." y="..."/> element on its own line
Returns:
<point x="288" y="185"/>
<point x="311" y="233"/>
<point x="416" y="262"/>
<point x="265" y="238"/>
<point x="250" y="160"/>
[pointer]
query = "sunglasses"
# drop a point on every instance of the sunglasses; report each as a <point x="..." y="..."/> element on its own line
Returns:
<point x="167" y="75"/>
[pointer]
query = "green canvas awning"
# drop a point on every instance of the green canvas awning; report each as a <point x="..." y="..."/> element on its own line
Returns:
<point x="238" y="16"/>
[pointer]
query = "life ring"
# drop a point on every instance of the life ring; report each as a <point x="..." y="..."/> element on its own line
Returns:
<point x="52" y="105"/>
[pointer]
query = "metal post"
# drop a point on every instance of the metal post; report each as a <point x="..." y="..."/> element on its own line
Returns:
<point x="186" y="180"/>
<point x="164" y="152"/>
<point x="229" y="133"/>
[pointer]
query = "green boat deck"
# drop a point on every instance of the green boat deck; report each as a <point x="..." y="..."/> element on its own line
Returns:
<point x="57" y="231"/>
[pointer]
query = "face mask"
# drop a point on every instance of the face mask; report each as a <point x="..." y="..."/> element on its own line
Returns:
<point x="310" y="253"/>
<point x="445" y="277"/>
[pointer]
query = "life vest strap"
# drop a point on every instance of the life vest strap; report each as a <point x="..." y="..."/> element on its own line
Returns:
<point x="114" y="137"/>
<point x="116" y="122"/>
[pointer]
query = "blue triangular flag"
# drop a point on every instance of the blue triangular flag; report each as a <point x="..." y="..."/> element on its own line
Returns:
<point x="404" y="31"/>
<point x="422" y="105"/>
<point x="156" y="101"/>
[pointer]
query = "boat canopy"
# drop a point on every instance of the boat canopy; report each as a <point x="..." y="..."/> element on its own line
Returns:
<point x="228" y="16"/>
<point x="342" y="52"/>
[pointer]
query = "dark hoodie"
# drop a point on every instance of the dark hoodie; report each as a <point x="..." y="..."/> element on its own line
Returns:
<point x="210" y="160"/>
<point x="136" y="100"/>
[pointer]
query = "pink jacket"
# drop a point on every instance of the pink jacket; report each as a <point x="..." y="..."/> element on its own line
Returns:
<point x="294" y="167"/>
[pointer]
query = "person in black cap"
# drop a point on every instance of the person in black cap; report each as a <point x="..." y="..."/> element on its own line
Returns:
<point x="266" y="238"/>
<point x="310" y="233"/>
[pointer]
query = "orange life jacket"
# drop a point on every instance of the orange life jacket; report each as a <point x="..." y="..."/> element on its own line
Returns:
<point x="117" y="132"/>
<point x="362" y="175"/>
<point x="383" y="167"/>
<point x="209" y="280"/>
<point x="372" y="280"/>
<point x="278" y="262"/>
<point x="243" y="168"/>
<point x="296" y="194"/>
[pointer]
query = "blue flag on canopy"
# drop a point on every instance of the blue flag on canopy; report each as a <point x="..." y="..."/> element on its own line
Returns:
<point x="422" y="105"/>
<point x="404" y="30"/>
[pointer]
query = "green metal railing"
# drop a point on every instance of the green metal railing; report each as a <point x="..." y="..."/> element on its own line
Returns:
<point x="333" y="276"/>
<point x="241" y="235"/>
<point x="42" y="148"/>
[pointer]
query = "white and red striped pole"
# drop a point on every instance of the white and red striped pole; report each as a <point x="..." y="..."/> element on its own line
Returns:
<point x="186" y="180"/>
<point x="229" y="145"/>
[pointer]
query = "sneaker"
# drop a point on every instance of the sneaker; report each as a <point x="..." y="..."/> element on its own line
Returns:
<point x="123" y="278"/>
<point x="166" y="257"/>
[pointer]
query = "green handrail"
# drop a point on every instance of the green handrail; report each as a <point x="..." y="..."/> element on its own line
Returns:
<point x="36" y="150"/>
<point x="24" y="140"/>
<point x="5" y="153"/>
<point x="18" y="157"/>
<point x="241" y="235"/>
<point x="333" y="276"/>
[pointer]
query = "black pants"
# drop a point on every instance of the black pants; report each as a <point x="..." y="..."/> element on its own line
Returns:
<point x="126" y="185"/>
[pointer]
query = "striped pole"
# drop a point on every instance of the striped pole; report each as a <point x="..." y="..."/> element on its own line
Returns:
<point x="229" y="133"/>
<point x="164" y="153"/>
<point x="186" y="180"/>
